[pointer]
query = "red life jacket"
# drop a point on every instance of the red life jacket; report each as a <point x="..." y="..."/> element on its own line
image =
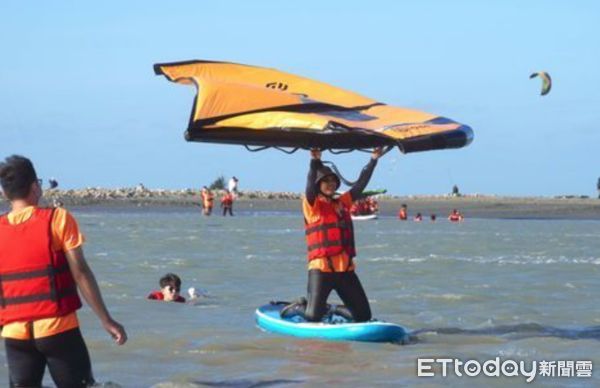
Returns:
<point x="35" y="280"/>
<point x="332" y="233"/>
<point x="402" y="215"/>
<point x="454" y="217"/>
<point x="227" y="200"/>
<point x="157" y="295"/>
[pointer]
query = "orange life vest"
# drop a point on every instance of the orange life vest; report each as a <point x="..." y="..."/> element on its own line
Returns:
<point x="332" y="233"/>
<point x="227" y="200"/>
<point x="35" y="280"/>
<point x="402" y="214"/>
<point x="207" y="198"/>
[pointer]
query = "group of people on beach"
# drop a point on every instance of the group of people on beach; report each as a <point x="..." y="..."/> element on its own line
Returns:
<point x="364" y="206"/>
<point x="227" y="198"/>
<point x="454" y="216"/>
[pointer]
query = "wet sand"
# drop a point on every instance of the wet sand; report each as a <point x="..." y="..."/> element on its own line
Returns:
<point x="479" y="206"/>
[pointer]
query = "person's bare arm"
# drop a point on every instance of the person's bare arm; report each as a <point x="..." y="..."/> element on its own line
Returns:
<point x="88" y="288"/>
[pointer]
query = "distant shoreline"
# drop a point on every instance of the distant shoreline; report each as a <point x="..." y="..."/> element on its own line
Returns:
<point x="477" y="206"/>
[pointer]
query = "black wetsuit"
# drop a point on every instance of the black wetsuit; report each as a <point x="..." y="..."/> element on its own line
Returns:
<point x="65" y="354"/>
<point x="346" y="284"/>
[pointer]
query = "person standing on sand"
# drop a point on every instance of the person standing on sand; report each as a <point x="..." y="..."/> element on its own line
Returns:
<point x="330" y="242"/>
<point x="41" y="268"/>
<point x="598" y="187"/>
<point x="455" y="191"/>
<point x="232" y="186"/>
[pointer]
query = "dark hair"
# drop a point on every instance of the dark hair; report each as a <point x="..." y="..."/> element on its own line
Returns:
<point x="16" y="176"/>
<point x="170" y="279"/>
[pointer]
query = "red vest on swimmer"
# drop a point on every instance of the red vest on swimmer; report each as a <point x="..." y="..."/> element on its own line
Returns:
<point x="157" y="295"/>
<point x="35" y="280"/>
<point x="332" y="233"/>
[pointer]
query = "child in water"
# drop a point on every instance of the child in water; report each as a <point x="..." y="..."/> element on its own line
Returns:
<point x="170" y="287"/>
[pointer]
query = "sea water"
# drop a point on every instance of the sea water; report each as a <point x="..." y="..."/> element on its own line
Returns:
<point x="522" y="290"/>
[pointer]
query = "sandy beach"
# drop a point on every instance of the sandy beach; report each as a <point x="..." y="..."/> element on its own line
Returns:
<point x="477" y="206"/>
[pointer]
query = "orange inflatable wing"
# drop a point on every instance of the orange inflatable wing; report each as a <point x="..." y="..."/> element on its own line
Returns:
<point x="255" y="106"/>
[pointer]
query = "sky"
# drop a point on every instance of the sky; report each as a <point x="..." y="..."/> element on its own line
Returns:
<point x="79" y="97"/>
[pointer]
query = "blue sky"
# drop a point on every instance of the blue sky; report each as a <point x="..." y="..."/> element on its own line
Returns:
<point x="79" y="97"/>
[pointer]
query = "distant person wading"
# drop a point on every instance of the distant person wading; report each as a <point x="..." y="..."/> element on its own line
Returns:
<point x="227" y="203"/>
<point x="207" y="201"/>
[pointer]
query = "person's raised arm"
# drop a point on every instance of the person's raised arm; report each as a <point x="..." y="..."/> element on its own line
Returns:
<point x="315" y="164"/>
<point x="88" y="287"/>
<point x="365" y="175"/>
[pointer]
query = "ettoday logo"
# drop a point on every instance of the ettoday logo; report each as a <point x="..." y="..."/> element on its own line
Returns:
<point x="507" y="368"/>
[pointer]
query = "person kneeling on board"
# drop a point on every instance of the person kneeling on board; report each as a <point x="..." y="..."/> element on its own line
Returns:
<point x="330" y="241"/>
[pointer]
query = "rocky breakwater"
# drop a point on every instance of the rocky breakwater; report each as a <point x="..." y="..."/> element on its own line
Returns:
<point x="142" y="196"/>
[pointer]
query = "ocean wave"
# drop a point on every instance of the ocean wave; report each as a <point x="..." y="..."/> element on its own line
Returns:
<point x="500" y="259"/>
<point x="182" y="238"/>
<point x="446" y="296"/>
<point x="397" y="259"/>
<point x="374" y="246"/>
<point x="518" y="331"/>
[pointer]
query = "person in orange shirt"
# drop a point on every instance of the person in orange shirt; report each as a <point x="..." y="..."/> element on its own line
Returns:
<point x="403" y="213"/>
<point x="207" y="200"/>
<point x="41" y="268"/>
<point x="330" y="242"/>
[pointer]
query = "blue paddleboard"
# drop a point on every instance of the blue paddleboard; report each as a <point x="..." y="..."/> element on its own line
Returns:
<point x="268" y="319"/>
